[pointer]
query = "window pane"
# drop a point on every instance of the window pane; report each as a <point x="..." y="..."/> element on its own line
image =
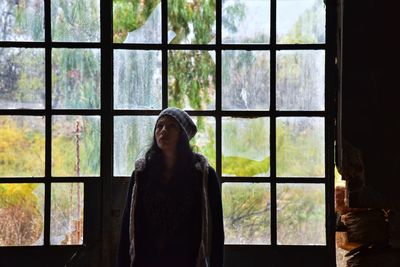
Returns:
<point x="191" y="22"/>
<point x="132" y="137"/>
<point x="75" y="146"/>
<point x="245" y="22"/>
<point x="22" y="20"/>
<point x="301" y="214"/>
<point x="76" y="78"/>
<point x="300" y="147"/>
<point x="204" y="140"/>
<point x="22" y="146"/>
<point x="66" y="223"/>
<point x="245" y="147"/>
<point x="191" y="79"/>
<point x="75" y="20"/>
<point x="137" y="79"/>
<point x="300" y="81"/>
<point x="137" y="21"/>
<point x="22" y="78"/>
<point x="245" y="80"/>
<point x="21" y="213"/>
<point x="300" y="21"/>
<point x="247" y="213"/>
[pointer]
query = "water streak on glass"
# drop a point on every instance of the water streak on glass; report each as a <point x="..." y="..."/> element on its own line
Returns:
<point x="22" y="146"/>
<point x="247" y="213"/>
<point x="245" y="80"/>
<point x="22" y="78"/>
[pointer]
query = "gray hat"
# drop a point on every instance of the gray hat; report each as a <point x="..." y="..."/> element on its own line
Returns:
<point x="182" y="118"/>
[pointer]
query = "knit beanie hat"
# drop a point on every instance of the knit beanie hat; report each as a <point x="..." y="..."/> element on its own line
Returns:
<point x="182" y="118"/>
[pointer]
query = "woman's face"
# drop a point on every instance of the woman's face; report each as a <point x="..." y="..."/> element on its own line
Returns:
<point x="167" y="133"/>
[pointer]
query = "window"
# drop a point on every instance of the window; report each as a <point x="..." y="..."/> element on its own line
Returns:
<point x="81" y="87"/>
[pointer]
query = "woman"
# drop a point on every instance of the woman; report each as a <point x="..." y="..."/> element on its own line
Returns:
<point x="173" y="213"/>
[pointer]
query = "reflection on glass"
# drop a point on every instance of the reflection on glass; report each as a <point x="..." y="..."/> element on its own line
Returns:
<point x="132" y="137"/>
<point x="247" y="213"/>
<point x="191" y="79"/>
<point x="300" y="147"/>
<point x="245" y="147"/>
<point x="204" y="140"/>
<point x="300" y="21"/>
<point x="245" y="22"/>
<point x="300" y="80"/>
<point x="75" y="20"/>
<point x="66" y="223"/>
<point x="245" y="80"/>
<point x="75" y="146"/>
<point x="137" y="79"/>
<point x="21" y="213"/>
<point x="22" y="146"/>
<point x="76" y="78"/>
<point x="22" y="20"/>
<point x="22" y="78"/>
<point x="301" y="214"/>
<point x="137" y="21"/>
<point x="191" y="22"/>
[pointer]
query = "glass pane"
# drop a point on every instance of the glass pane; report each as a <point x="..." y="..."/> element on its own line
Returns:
<point x="300" y="21"/>
<point x="191" y="79"/>
<point x="204" y="140"/>
<point x="301" y="214"/>
<point x="245" y="147"/>
<point x="75" y="20"/>
<point x="132" y="137"/>
<point x="75" y="146"/>
<point x="137" y="21"/>
<point x="191" y="22"/>
<point x="76" y="78"/>
<point x="245" y="22"/>
<point x="300" y="147"/>
<point x="22" y="146"/>
<point x="247" y="213"/>
<point x="66" y="223"/>
<point x="300" y="80"/>
<point x="22" y="79"/>
<point x="21" y="213"/>
<point x="22" y="20"/>
<point x="137" y="79"/>
<point x="245" y="80"/>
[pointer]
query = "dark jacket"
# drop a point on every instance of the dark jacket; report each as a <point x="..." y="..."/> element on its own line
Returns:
<point x="212" y="238"/>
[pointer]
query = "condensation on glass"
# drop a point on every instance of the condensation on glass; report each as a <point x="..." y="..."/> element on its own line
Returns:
<point x="137" y="79"/>
<point x="191" y="22"/>
<point x="300" y="80"/>
<point x="247" y="213"/>
<point x="191" y="79"/>
<point x="75" y="78"/>
<point x="132" y="137"/>
<point x="301" y="214"/>
<point x="300" y="147"/>
<point x="137" y="21"/>
<point x="22" y="146"/>
<point x="204" y="140"/>
<point x="75" y="145"/>
<point x="245" y="80"/>
<point x="67" y="209"/>
<point x="75" y="20"/>
<point x="300" y="21"/>
<point x="245" y="146"/>
<point x="246" y="22"/>
<point x="22" y="214"/>
<point x="22" y="20"/>
<point x="22" y="79"/>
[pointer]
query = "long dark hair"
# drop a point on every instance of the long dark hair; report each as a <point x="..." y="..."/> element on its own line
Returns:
<point x="184" y="157"/>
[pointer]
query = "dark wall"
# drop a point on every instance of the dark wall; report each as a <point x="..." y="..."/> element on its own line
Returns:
<point x="371" y="90"/>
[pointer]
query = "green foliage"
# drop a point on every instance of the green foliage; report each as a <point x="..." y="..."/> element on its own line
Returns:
<point x="232" y="15"/>
<point x="240" y="166"/>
